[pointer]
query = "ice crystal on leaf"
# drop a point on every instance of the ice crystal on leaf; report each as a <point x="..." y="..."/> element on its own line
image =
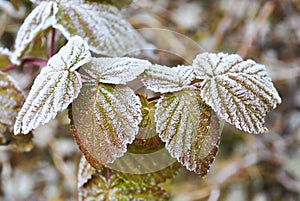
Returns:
<point x="165" y="79"/>
<point x="189" y="129"/>
<point x="11" y="100"/>
<point x="57" y="85"/>
<point x="36" y="22"/>
<point x="240" y="92"/>
<point x="106" y="119"/>
<point x="115" y="70"/>
<point x="101" y="25"/>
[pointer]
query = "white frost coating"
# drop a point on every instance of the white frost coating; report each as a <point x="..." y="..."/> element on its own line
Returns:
<point x="115" y="70"/>
<point x="11" y="100"/>
<point x="106" y="118"/>
<point x="85" y="172"/>
<point x="71" y="56"/>
<point x="54" y="88"/>
<point x="165" y="79"/>
<point x="241" y="92"/>
<point x="37" y="21"/>
<point x="102" y="26"/>
<point x="184" y="124"/>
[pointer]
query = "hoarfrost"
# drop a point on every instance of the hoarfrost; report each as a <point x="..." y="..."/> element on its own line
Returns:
<point x="241" y="92"/>
<point x="165" y="79"/>
<point x="101" y="25"/>
<point x="37" y="21"/>
<point x="184" y="123"/>
<point x="54" y="88"/>
<point x="115" y="70"/>
<point x="106" y="120"/>
<point x="85" y="172"/>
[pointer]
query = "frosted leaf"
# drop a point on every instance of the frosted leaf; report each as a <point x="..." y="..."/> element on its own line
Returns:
<point x="11" y="101"/>
<point x="115" y="70"/>
<point x="165" y="79"/>
<point x="114" y="188"/>
<point x="241" y="92"/>
<point x="36" y="22"/>
<point x="102" y="26"/>
<point x="54" y="88"/>
<point x="71" y="56"/>
<point x="85" y="172"/>
<point x="189" y="129"/>
<point x="106" y="119"/>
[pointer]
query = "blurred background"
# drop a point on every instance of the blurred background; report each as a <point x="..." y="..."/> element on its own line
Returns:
<point x="248" y="167"/>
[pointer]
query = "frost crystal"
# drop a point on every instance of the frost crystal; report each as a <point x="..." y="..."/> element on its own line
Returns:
<point x="165" y="79"/>
<point x="101" y="25"/>
<point x="106" y="119"/>
<point x="37" y="21"/>
<point x="115" y="70"/>
<point x="54" y="88"/>
<point x="85" y="172"/>
<point x="187" y="127"/>
<point x="241" y="92"/>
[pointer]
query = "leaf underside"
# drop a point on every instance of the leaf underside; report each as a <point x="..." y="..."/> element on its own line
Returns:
<point x="102" y="26"/>
<point x="115" y="70"/>
<point x="106" y="119"/>
<point x="189" y="129"/>
<point x="165" y="79"/>
<point x="54" y="88"/>
<point x="36" y="22"/>
<point x="241" y="92"/>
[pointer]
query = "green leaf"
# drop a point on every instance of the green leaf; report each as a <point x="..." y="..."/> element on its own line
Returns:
<point x="189" y="129"/>
<point x="240" y="92"/>
<point x="36" y="22"/>
<point x="114" y="188"/>
<point x="11" y="101"/>
<point x="153" y="178"/>
<point x="115" y="70"/>
<point x="106" y="119"/>
<point x="102" y="26"/>
<point x="57" y="85"/>
<point x="165" y="79"/>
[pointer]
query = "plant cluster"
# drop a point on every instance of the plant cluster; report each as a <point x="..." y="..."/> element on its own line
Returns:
<point x="90" y="76"/>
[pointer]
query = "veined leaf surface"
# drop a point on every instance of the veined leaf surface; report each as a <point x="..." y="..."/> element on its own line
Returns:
<point x="189" y="129"/>
<point x="165" y="79"/>
<point x="101" y="25"/>
<point x="240" y="92"/>
<point x="36" y="22"/>
<point x="106" y="119"/>
<point x="115" y="70"/>
<point x="54" y="88"/>
<point x="114" y="188"/>
<point x="11" y="100"/>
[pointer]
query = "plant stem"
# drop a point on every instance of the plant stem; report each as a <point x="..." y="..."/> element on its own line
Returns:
<point x="52" y="47"/>
<point x="7" y="68"/>
<point x="38" y="62"/>
<point x="108" y="173"/>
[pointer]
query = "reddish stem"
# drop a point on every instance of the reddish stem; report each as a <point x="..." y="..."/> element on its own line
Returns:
<point x="38" y="62"/>
<point x="108" y="173"/>
<point x="8" y="68"/>
<point x="52" y="47"/>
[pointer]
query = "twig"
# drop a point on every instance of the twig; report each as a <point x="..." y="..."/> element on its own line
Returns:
<point x="52" y="47"/>
<point x="38" y="62"/>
